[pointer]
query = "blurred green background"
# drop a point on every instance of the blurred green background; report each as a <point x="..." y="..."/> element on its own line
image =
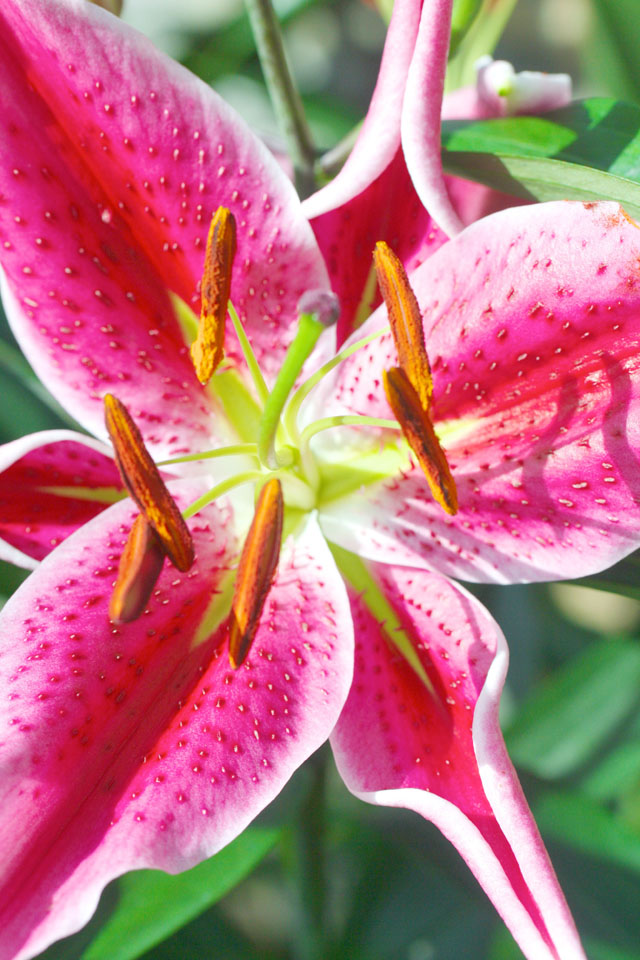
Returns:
<point x="393" y="887"/>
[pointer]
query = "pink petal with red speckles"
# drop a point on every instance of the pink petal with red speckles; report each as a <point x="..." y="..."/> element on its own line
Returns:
<point x="138" y="745"/>
<point x="442" y="754"/>
<point x="33" y="518"/>
<point x="389" y="209"/>
<point x="532" y="324"/>
<point x="113" y="159"/>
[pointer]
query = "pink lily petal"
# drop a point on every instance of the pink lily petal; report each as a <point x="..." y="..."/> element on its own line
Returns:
<point x="112" y="160"/>
<point x="503" y="91"/>
<point x="33" y="518"/>
<point x="138" y="745"/>
<point x="379" y="138"/>
<point x="421" y="113"/>
<point x="500" y="90"/>
<point x="441" y="753"/>
<point x="532" y="326"/>
<point x="389" y="209"/>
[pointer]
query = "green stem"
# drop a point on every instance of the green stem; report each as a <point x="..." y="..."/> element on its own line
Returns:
<point x="309" y="329"/>
<point x="308" y="865"/>
<point x="283" y="92"/>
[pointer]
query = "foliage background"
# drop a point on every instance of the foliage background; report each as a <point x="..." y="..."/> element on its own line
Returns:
<point x="389" y="885"/>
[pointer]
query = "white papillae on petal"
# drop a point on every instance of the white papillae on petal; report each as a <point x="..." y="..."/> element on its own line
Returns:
<point x="532" y="328"/>
<point x="438" y="749"/>
<point x="138" y="745"/>
<point x="113" y="159"/>
<point x="38" y="474"/>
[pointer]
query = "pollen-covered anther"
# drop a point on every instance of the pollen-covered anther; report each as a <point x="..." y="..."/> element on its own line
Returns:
<point x="405" y="320"/>
<point x="256" y="571"/>
<point x="208" y="347"/>
<point x="145" y="485"/>
<point x="140" y="566"/>
<point x="419" y="433"/>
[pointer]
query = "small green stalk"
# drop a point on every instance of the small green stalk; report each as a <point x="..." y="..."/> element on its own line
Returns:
<point x="283" y="92"/>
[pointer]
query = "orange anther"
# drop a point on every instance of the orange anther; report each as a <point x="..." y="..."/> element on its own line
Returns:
<point x="256" y="570"/>
<point x="405" y="320"/>
<point x="146" y="486"/>
<point x="140" y="566"/>
<point x="208" y="347"/>
<point x="421" y="437"/>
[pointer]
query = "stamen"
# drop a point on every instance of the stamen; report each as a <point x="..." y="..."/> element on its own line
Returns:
<point x="146" y="486"/>
<point x="208" y="347"/>
<point x="140" y="566"/>
<point x="305" y="388"/>
<point x="405" y="320"/>
<point x="421" y="437"/>
<point x="256" y="571"/>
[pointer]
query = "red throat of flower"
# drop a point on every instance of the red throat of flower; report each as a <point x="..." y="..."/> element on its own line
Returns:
<point x="208" y="347"/>
<point x="160" y="530"/>
<point x="409" y="386"/>
<point x="256" y="571"/>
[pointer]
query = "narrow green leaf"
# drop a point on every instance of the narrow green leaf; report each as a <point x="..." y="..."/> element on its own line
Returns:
<point x="583" y="824"/>
<point x="587" y="699"/>
<point x="616" y="775"/>
<point x="617" y="29"/>
<point x="587" y="151"/>
<point x="153" y="905"/>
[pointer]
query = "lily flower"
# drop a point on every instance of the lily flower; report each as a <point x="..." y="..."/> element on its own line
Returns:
<point x="148" y="726"/>
<point x="391" y="187"/>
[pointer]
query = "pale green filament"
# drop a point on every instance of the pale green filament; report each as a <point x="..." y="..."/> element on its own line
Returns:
<point x="303" y="391"/>
<point x="348" y="420"/>
<point x="219" y="489"/>
<point x="247" y="351"/>
<point x="233" y="451"/>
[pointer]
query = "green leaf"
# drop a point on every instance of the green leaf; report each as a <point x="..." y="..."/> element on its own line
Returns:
<point x="588" y="827"/>
<point x="587" y="699"/>
<point x="617" y="36"/>
<point x="616" y="775"/>
<point x="153" y="905"/>
<point x="587" y="151"/>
